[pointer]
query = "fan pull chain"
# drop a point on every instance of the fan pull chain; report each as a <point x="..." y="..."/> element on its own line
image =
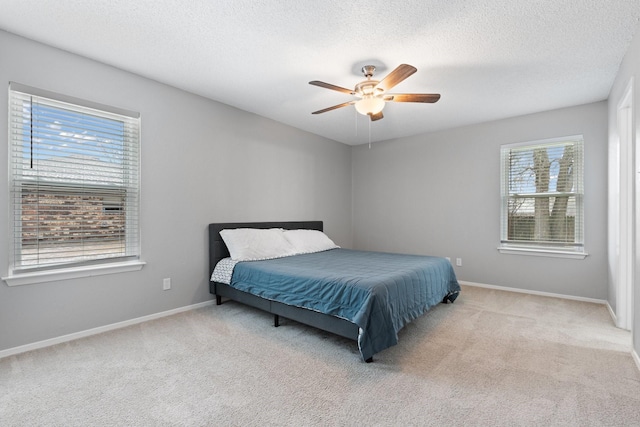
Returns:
<point x="369" y="134"/>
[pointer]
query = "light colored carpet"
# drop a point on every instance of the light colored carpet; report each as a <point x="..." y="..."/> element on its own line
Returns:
<point x="493" y="358"/>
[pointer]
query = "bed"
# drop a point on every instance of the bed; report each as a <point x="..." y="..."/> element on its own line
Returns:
<point x="364" y="296"/>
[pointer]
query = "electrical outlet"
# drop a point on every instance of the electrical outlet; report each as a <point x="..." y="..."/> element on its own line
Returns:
<point x="459" y="262"/>
<point x="166" y="284"/>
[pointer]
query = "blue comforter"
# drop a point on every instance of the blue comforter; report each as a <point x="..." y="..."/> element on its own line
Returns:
<point x="379" y="292"/>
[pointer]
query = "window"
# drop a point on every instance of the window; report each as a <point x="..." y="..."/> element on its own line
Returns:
<point x="542" y="197"/>
<point x="74" y="183"/>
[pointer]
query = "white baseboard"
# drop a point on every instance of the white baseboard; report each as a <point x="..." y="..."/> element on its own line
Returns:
<point x="98" y="330"/>
<point x="526" y="291"/>
<point x="612" y="314"/>
<point x="82" y="334"/>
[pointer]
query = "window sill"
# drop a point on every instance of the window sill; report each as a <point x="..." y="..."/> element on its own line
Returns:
<point x="542" y="252"/>
<point x="73" y="273"/>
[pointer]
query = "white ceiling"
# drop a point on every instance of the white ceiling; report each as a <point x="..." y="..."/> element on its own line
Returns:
<point x="488" y="59"/>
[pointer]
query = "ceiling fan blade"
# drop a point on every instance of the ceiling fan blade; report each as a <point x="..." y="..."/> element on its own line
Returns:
<point x="412" y="97"/>
<point x="396" y="76"/>
<point x="344" y="104"/>
<point x="375" y="117"/>
<point x="332" y="87"/>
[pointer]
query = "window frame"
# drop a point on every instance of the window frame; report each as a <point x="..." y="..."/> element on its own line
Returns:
<point x="575" y="250"/>
<point x="130" y="260"/>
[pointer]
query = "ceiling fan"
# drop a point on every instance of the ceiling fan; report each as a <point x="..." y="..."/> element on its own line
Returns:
<point x="373" y="93"/>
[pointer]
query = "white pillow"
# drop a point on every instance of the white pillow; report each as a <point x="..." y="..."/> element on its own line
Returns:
<point x="251" y="244"/>
<point x="308" y="241"/>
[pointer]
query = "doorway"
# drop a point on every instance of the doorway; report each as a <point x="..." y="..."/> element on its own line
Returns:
<point x="629" y="162"/>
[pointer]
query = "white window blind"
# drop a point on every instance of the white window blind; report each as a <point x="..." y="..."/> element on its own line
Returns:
<point x="542" y="195"/>
<point x="74" y="181"/>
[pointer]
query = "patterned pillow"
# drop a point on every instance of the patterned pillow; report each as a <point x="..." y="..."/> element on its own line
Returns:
<point x="223" y="271"/>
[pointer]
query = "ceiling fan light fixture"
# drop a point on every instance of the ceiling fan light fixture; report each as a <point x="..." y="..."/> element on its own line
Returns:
<point x="369" y="105"/>
<point x="373" y="94"/>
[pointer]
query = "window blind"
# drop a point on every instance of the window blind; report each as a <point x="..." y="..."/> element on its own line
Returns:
<point x="74" y="173"/>
<point x="542" y="194"/>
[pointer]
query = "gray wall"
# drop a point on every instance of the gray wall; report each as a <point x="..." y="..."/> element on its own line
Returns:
<point x="439" y="194"/>
<point x="202" y="162"/>
<point x="629" y="69"/>
<point x="206" y="162"/>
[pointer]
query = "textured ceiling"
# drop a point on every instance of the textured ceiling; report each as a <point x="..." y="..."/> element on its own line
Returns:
<point x="489" y="59"/>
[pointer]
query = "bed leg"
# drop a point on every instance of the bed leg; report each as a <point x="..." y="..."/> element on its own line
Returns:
<point x="218" y="300"/>
<point x="450" y="298"/>
<point x="276" y="320"/>
<point x="369" y="360"/>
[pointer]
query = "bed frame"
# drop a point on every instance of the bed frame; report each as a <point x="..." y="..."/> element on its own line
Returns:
<point x="218" y="250"/>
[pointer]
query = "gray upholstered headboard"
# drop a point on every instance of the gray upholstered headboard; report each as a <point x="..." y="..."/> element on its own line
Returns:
<point x="218" y="250"/>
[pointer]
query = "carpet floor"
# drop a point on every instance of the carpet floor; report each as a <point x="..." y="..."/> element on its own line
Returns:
<point x="493" y="358"/>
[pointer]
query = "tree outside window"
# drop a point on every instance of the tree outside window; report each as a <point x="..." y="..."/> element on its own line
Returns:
<point x="542" y="192"/>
